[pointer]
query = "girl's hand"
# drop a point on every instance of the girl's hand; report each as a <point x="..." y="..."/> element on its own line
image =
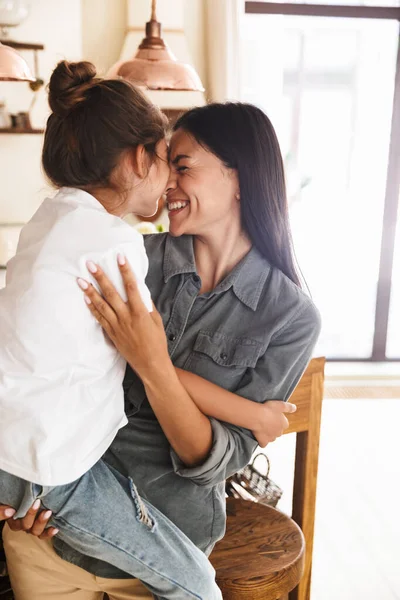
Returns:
<point x="34" y="522"/>
<point x="273" y="422"/>
<point x="137" y="334"/>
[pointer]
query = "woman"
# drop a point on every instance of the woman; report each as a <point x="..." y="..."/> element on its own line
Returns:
<point x="226" y="287"/>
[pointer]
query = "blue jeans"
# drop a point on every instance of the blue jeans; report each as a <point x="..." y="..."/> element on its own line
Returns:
<point x="102" y="515"/>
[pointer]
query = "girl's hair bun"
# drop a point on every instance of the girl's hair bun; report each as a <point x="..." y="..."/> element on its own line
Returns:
<point x="68" y="85"/>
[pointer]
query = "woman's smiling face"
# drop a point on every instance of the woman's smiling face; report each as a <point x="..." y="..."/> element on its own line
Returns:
<point x="202" y="193"/>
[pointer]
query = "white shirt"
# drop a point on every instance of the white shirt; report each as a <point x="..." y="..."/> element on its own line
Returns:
<point x="61" y="396"/>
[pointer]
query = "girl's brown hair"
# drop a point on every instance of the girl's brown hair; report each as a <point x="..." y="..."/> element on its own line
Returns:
<point x="93" y="122"/>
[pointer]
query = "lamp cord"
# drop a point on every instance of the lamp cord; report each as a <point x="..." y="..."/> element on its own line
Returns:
<point x="153" y="10"/>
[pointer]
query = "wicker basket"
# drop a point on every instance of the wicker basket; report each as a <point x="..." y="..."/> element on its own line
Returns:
<point x="250" y="484"/>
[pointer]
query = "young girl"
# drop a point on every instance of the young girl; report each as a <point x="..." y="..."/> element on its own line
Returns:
<point x="105" y="149"/>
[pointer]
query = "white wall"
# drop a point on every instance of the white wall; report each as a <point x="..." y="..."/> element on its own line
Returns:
<point x="103" y="31"/>
<point x="56" y="24"/>
<point x="195" y="29"/>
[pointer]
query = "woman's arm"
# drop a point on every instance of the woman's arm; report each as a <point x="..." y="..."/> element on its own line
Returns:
<point x="265" y="420"/>
<point x="275" y="376"/>
<point x="190" y="435"/>
<point x="140" y="337"/>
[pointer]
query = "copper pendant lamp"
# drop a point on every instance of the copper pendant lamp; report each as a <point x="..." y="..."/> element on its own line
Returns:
<point x="12" y="66"/>
<point x="155" y="67"/>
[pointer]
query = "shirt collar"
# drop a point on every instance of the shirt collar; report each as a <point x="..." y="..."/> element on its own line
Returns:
<point x="247" y="279"/>
<point x="179" y="256"/>
<point x="78" y="196"/>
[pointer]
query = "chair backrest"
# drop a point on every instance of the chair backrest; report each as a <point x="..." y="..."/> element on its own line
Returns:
<point x="305" y="422"/>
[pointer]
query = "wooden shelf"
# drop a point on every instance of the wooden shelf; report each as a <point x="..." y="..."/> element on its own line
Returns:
<point x="22" y="45"/>
<point x="13" y="130"/>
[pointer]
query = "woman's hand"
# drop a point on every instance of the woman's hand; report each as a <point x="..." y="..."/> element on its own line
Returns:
<point x="137" y="334"/>
<point x="273" y="422"/>
<point x="34" y="522"/>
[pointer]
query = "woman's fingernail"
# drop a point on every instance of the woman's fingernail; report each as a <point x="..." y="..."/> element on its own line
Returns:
<point x="87" y="300"/>
<point x="9" y="512"/>
<point x="121" y="259"/>
<point x="36" y="504"/>
<point x="54" y="532"/>
<point x="83" y="284"/>
<point x="91" y="266"/>
<point x="47" y="514"/>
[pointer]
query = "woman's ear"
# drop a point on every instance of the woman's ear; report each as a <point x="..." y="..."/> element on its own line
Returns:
<point x="235" y="183"/>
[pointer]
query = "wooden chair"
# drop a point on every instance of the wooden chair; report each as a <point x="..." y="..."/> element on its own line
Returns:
<point x="263" y="556"/>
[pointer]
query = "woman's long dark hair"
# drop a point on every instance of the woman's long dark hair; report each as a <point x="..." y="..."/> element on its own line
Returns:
<point x="243" y="138"/>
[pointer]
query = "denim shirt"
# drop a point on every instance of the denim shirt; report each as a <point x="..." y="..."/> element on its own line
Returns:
<point x="253" y="335"/>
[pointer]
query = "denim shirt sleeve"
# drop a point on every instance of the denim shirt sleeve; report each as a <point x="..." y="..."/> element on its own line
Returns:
<point x="275" y="376"/>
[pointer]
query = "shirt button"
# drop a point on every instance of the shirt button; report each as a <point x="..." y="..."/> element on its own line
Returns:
<point x="223" y="356"/>
<point x="172" y="337"/>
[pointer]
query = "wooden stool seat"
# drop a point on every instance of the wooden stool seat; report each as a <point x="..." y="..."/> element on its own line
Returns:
<point x="262" y="554"/>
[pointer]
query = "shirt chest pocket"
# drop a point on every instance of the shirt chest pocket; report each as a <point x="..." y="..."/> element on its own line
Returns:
<point x="222" y="359"/>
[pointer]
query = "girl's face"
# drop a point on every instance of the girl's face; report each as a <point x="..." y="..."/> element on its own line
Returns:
<point x="146" y="191"/>
<point x="202" y="193"/>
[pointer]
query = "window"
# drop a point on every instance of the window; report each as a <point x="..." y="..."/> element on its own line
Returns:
<point x="327" y="85"/>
